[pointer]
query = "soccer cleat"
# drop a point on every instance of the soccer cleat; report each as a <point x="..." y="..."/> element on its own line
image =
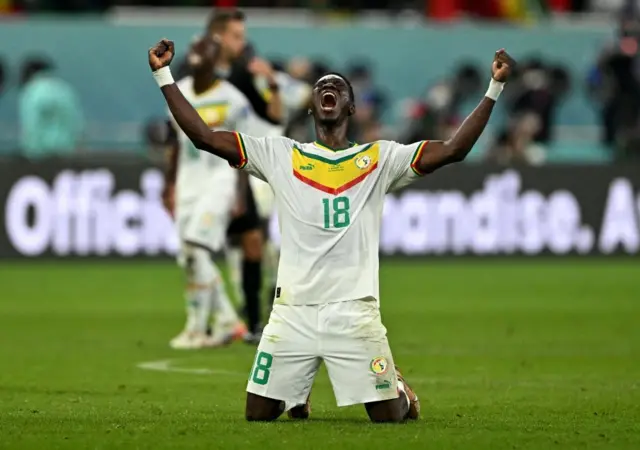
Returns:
<point x="190" y="340"/>
<point x="225" y="334"/>
<point x="252" y="338"/>
<point x="414" y="402"/>
<point x="301" y="412"/>
<point x="239" y="331"/>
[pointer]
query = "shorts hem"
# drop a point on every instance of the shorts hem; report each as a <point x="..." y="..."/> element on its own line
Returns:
<point x="289" y="404"/>
<point x="200" y="244"/>
<point x="366" y="400"/>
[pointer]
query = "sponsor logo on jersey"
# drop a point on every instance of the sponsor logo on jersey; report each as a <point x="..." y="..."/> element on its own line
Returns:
<point x="386" y="384"/>
<point x="307" y="167"/>
<point x="379" y="365"/>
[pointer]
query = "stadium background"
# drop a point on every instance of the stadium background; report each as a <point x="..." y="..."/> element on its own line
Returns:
<point x="535" y="348"/>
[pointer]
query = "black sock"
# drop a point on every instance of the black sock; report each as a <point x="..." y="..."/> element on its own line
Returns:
<point x="251" y="285"/>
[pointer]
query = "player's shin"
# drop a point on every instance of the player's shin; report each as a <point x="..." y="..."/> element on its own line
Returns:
<point x="199" y="308"/>
<point x="228" y="326"/>
<point x="234" y="263"/>
<point x="200" y="278"/>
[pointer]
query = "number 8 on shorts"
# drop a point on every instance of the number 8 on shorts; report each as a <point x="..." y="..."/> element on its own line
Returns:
<point x="260" y="372"/>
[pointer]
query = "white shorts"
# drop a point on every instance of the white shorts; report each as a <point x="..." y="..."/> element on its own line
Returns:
<point x="348" y="336"/>
<point x="204" y="221"/>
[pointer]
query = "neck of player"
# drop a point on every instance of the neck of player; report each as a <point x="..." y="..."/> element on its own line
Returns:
<point x="203" y="79"/>
<point x="333" y="135"/>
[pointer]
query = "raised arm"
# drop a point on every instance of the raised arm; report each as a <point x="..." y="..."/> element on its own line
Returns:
<point x="221" y="143"/>
<point x="275" y="108"/>
<point x="440" y="153"/>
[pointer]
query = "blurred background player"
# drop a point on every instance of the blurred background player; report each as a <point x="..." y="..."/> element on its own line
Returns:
<point x="262" y="85"/>
<point x="228" y="27"/>
<point x="246" y="239"/>
<point x="281" y="96"/>
<point x="206" y="194"/>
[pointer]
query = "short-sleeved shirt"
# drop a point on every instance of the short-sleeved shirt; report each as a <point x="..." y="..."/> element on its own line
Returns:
<point x="329" y="207"/>
<point x="222" y="107"/>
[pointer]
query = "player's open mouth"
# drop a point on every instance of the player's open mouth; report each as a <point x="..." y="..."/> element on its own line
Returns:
<point x="328" y="100"/>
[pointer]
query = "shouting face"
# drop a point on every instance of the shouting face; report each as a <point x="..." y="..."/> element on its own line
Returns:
<point x="332" y="99"/>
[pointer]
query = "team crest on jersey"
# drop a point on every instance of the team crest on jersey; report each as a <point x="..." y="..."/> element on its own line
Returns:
<point x="379" y="365"/>
<point x="362" y="162"/>
<point x="206" y="221"/>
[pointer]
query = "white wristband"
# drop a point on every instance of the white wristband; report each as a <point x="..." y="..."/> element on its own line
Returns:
<point x="163" y="76"/>
<point x="495" y="89"/>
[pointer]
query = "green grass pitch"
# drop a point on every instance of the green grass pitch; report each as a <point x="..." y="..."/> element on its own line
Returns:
<point x="504" y="355"/>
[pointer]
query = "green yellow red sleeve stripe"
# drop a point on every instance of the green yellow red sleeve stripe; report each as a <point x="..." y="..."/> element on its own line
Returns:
<point x="416" y="158"/>
<point x="242" y="150"/>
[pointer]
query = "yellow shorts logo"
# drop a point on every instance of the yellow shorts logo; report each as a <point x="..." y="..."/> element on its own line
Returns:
<point x="379" y="365"/>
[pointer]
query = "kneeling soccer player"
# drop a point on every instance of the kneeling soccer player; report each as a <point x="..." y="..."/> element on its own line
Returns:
<point x="329" y="197"/>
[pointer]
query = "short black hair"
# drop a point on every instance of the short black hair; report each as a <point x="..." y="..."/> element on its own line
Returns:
<point x="219" y="19"/>
<point x="352" y="96"/>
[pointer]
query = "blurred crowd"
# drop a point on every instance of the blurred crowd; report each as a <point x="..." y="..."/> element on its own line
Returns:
<point x="51" y="118"/>
<point x="438" y="9"/>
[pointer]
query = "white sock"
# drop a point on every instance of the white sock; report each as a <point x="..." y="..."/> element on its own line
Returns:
<point x="199" y="308"/>
<point x="402" y="391"/>
<point x="224" y="311"/>
<point x="234" y="263"/>
<point x="201" y="278"/>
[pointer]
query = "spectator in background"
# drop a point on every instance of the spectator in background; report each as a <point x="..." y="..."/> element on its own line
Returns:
<point x="365" y="126"/>
<point x="614" y="85"/>
<point x="51" y="120"/>
<point x="439" y="112"/>
<point x="516" y="143"/>
<point x="538" y="89"/>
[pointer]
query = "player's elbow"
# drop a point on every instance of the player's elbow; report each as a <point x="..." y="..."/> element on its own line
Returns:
<point x="456" y="153"/>
<point x="200" y="143"/>
<point x="206" y="142"/>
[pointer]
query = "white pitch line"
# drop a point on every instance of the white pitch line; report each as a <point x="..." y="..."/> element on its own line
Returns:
<point x="166" y="365"/>
<point x="551" y="382"/>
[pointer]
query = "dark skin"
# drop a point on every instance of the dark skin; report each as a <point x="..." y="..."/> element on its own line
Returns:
<point x="331" y="108"/>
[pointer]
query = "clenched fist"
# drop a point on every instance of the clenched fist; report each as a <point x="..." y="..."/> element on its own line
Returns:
<point x="161" y="54"/>
<point x="502" y="66"/>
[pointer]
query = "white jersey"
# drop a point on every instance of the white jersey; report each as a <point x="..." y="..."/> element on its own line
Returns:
<point x="222" y="107"/>
<point x="329" y="207"/>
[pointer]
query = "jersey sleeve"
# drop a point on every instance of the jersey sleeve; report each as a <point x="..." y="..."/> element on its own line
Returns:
<point x="401" y="164"/>
<point x="257" y="155"/>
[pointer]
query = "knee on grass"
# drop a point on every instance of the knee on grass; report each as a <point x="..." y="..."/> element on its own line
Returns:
<point x="262" y="409"/>
<point x="390" y="411"/>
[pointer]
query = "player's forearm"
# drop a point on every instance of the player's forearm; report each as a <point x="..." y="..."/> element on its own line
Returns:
<point x="275" y="109"/>
<point x="219" y="143"/>
<point x="468" y="133"/>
